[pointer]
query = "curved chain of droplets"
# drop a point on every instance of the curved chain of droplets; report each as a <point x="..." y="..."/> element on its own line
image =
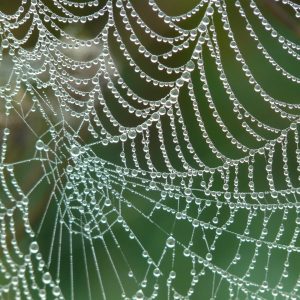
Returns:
<point x="173" y="178"/>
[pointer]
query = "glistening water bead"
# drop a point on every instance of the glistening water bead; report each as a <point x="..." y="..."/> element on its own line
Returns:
<point x="46" y="278"/>
<point x="34" y="247"/>
<point x="39" y="145"/>
<point x="139" y="295"/>
<point x="156" y="272"/>
<point x="75" y="151"/>
<point x="170" y="242"/>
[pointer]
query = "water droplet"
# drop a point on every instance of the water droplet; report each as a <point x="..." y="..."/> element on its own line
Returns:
<point x="208" y="257"/>
<point x="172" y="274"/>
<point x="186" y="76"/>
<point x="56" y="291"/>
<point x="130" y="274"/>
<point x="227" y="195"/>
<point x="5" y="43"/>
<point x="47" y="278"/>
<point x="156" y="272"/>
<point x="6" y="131"/>
<point x="215" y="220"/>
<point x="210" y="11"/>
<point x="170" y="242"/>
<point x="132" y="134"/>
<point x="139" y="295"/>
<point x="190" y="66"/>
<point x="34" y="247"/>
<point x="75" y="151"/>
<point x="188" y="191"/>
<point x="39" y="145"/>
<point x="174" y="92"/>
<point x="196" y="223"/>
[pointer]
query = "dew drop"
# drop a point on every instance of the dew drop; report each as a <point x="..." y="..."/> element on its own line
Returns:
<point x="132" y="134"/>
<point x="34" y="247"/>
<point x="130" y="274"/>
<point x="87" y="227"/>
<point x="190" y="66"/>
<point x="188" y="191"/>
<point x="170" y="242"/>
<point x="56" y="291"/>
<point x="139" y="295"/>
<point x="208" y="257"/>
<point x="5" y="43"/>
<point x="75" y="151"/>
<point x="227" y="195"/>
<point x="46" y="278"/>
<point x="156" y="272"/>
<point x="39" y="145"/>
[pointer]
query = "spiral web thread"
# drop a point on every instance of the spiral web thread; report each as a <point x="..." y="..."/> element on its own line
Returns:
<point x="156" y="187"/>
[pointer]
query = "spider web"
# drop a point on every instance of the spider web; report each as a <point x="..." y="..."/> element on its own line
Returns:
<point x="145" y="154"/>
